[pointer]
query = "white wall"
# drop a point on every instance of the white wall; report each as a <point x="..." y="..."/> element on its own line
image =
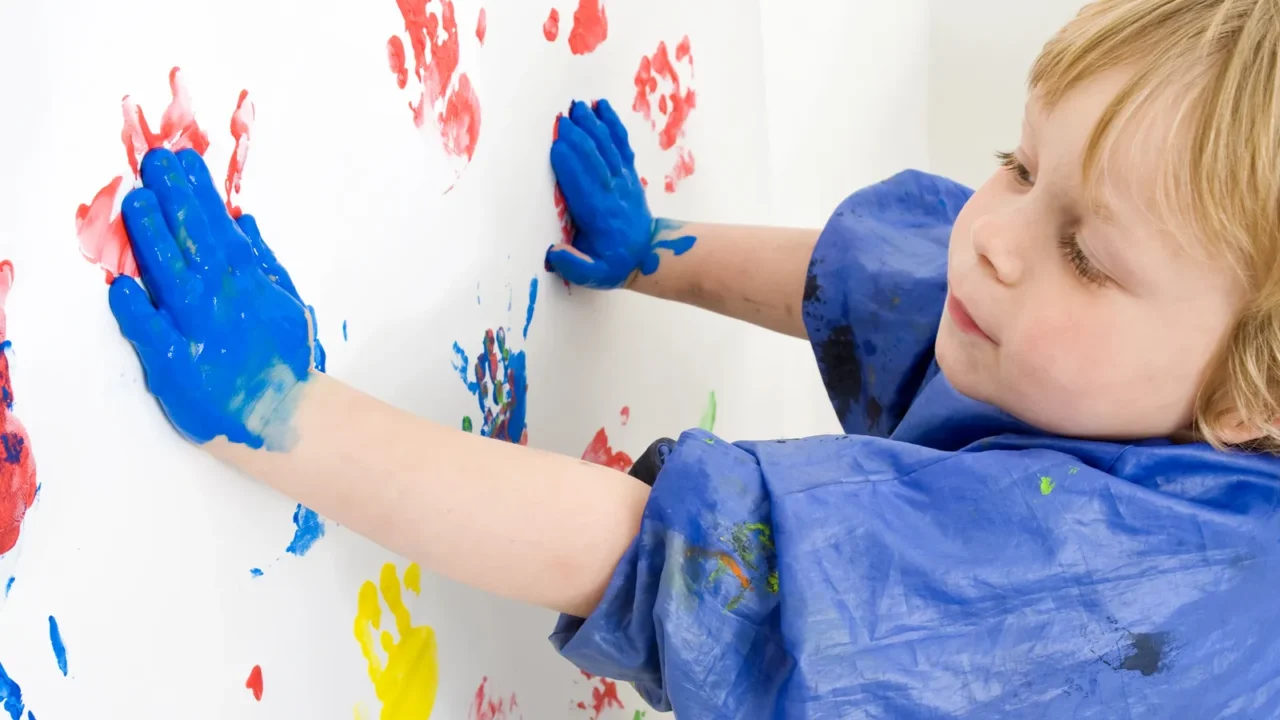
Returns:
<point x="980" y="52"/>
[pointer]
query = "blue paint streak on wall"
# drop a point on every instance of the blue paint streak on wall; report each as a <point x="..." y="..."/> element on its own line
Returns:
<point x="344" y="331"/>
<point x="256" y="572"/>
<point x="463" y="365"/>
<point x="8" y="586"/>
<point x="310" y="528"/>
<point x="59" y="648"/>
<point x="533" y="298"/>
<point x="10" y="696"/>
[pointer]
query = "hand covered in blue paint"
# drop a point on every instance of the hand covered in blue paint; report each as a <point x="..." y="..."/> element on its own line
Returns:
<point x="615" y="234"/>
<point x="222" y="336"/>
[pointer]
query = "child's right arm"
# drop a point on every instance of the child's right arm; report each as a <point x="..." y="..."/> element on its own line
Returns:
<point x="752" y="273"/>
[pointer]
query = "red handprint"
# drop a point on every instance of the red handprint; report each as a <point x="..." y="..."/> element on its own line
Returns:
<point x="674" y="103"/>
<point x="452" y="105"/>
<point x="590" y="27"/>
<point x="604" y="695"/>
<point x="98" y="225"/>
<point x="17" y="466"/>
<point x="489" y="707"/>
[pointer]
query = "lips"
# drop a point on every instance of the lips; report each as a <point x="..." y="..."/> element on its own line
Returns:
<point x="964" y="321"/>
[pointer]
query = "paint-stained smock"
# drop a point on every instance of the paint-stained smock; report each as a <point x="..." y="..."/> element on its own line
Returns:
<point x="942" y="560"/>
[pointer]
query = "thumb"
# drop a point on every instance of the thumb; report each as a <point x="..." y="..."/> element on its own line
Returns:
<point x="576" y="267"/>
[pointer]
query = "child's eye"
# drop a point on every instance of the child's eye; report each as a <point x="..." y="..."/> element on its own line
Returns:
<point x="1014" y="166"/>
<point x="1080" y="262"/>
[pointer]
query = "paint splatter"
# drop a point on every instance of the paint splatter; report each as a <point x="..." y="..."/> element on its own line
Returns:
<point x="493" y="707"/>
<point x="708" y="421"/>
<point x="590" y="27"/>
<point x="11" y="697"/>
<point x="604" y="695"/>
<point x="99" y="227"/>
<point x="59" y="648"/>
<point x="600" y="453"/>
<point x="308" y="528"/>
<point x="551" y="28"/>
<point x="533" y="299"/>
<point x="344" y="331"/>
<point x="17" y="466"/>
<point x="404" y="670"/>
<point x="674" y="102"/>
<point x="626" y="415"/>
<point x="255" y="572"/>
<point x="444" y="95"/>
<point x="254" y="683"/>
<point x="482" y="26"/>
<point x="1046" y="485"/>
<point x="9" y="586"/>
<point x="241" y="124"/>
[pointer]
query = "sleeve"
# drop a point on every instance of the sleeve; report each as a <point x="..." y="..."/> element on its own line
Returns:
<point x="875" y="292"/>
<point x="853" y="576"/>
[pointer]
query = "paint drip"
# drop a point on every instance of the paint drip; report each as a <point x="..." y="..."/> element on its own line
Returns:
<point x="658" y="77"/>
<point x="487" y="706"/>
<point x="445" y="96"/>
<point x="99" y="227"/>
<point x="708" y="421"/>
<point x="403" y="665"/>
<point x="18" y="486"/>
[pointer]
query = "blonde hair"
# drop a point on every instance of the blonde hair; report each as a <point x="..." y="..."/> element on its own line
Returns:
<point x="1220" y="60"/>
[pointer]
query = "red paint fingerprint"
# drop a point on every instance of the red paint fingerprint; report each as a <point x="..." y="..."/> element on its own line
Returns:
<point x="434" y="39"/>
<point x="254" y="682"/>
<point x="488" y="707"/>
<point x="99" y="227"/>
<point x="17" y="465"/>
<point x="551" y="28"/>
<point x="482" y="26"/>
<point x="600" y="453"/>
<point x="674" y="102"/>
<point x="100" y="230"/>
<point x="590" y="27"/>
<point x="626" y="415"/>
<point x="683" y="169"/>
<point x="241" y="123"/>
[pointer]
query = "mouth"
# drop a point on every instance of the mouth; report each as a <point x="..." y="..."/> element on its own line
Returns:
<point x="964" y="321"/>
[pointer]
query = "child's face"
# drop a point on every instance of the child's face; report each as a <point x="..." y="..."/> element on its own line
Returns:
<point x="1107" y="335"/>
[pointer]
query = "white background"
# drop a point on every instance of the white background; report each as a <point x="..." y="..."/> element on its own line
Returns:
<point x="141" y="545"/>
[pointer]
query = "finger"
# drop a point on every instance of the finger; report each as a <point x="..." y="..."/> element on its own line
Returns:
<point x="142" y="325"/>
<point x="235" y="246"/>
<point x="389" y="582"/>
<point x="617" y="131"/>
<point x="572" y="179"/>
<point x="265" y="258"/>
<point x="163" y="174"/>
<point x="163" y="269"/>
<point x="582" y="116"/>
<point x="576" y="268"/>
<point x="576" y="140"/>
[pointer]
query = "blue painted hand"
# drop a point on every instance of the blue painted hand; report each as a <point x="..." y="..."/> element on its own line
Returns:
<point x="615" y="234"/>
<point x="223" y="337"/>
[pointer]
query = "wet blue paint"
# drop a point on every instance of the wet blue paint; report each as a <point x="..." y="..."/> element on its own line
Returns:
<point x="10" y="696"/>
<point x="309" y="528"/>
<point x="256" y="572"/>
<point x="533" y="298"/>
<point x="214" y="289"/>
<point x="8" y="586"/>
<point x="344" y="331"/>
<point x="59" y="648"/>
<point x="463" y="366"/>
<point x="595" y="168"/>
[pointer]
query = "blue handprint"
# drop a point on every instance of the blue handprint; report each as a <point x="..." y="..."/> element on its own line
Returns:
<point x="616" y="235"/>
<point x="222" y="335"/>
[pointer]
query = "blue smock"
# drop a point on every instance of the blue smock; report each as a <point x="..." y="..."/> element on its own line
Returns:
<point x="942" y="560"/>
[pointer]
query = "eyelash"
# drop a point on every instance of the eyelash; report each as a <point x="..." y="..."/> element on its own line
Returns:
<point x="1069" y="245"/>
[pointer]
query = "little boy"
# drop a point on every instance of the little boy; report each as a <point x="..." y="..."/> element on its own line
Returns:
<point x="1056" y="496"/>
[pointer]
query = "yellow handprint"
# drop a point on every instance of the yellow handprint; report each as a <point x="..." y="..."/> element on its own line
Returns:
<point x="406" y="683"/>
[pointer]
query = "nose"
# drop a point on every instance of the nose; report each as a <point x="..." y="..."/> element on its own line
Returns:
<point x="998" y="240"/>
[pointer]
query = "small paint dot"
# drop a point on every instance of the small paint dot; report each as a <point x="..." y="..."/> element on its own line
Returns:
<point x="1046" y="485"/>
<point x="551" y="28"/>
<point x="344" y="331"/>
<point x="254" y="683"/>
<point x="256" y="572"/>
<point x="466" y="424"/>
<point x="626" y="415"/>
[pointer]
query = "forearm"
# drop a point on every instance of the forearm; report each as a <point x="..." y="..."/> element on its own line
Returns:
<point x="752" y="273"/>
<point x="529" y="525"/>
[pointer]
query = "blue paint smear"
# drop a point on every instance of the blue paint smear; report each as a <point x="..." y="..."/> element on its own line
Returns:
<point x="344" y="331"/>
<point x="10" y="696"/>
<point x="533" y="298"/>
<point x="310" y="528"/>
<point x="9" y="586"/>
<point x="256" y="572"/>
<point x="59" y="649"/>
<point x="462" y="365"/>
